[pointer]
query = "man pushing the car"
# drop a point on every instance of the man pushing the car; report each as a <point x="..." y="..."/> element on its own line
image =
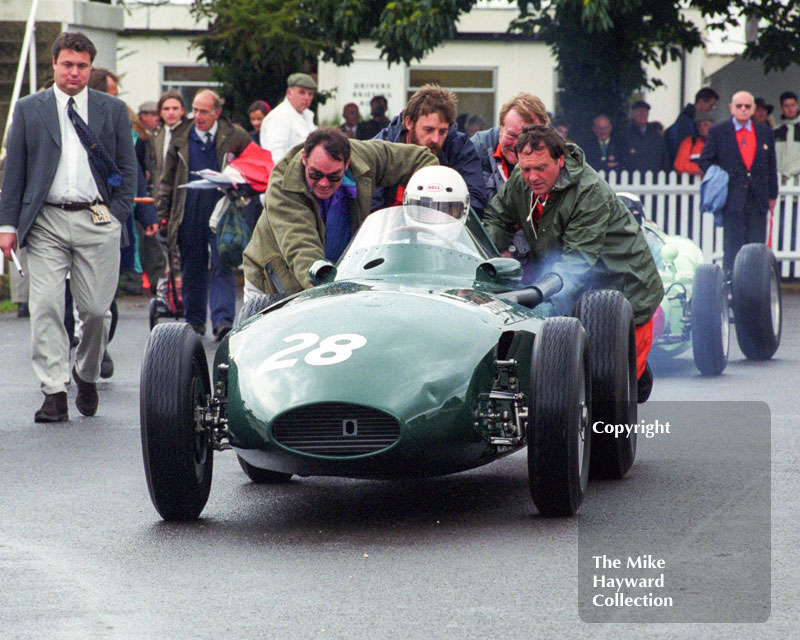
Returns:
<point x="318" y="195"/>
<point x="577" y="228"/>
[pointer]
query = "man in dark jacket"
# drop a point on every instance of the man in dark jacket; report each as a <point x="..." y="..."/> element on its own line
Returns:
<point x="429" y="120"/>
<point x="645" y="149"/>
<point x="603" y="150"/>
<point x="746" y="150"/>
<point x="577" y="228"/>
<point x="684" y="127"/>
<point x="201" y="143"/>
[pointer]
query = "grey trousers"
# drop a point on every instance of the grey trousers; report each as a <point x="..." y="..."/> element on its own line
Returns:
<point x="58" y="243"/>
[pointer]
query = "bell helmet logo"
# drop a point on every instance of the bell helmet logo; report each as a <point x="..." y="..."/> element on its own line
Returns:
<point x="435" y="186"/>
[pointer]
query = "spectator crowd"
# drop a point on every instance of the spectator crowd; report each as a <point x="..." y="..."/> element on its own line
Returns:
<point x="115" y="161"/>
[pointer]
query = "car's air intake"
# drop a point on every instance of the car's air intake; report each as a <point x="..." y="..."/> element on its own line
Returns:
<point x="336" y="429"/>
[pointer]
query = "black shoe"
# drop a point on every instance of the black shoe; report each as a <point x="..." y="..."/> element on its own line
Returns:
<point x="199" y="329"/>
<point x="23" y="311"/>
<point x="106" y="366"/>
<point x="222" y="329"/>
<point x="86" y="400"/>
<point x="54" y="408"/>
<point x="645" y="385"/>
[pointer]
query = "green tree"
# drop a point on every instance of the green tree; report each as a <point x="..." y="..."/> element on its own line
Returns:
<point x="252" y="46"/>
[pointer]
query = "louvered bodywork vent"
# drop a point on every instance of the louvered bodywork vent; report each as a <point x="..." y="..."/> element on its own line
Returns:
<point x="336" y="429"/>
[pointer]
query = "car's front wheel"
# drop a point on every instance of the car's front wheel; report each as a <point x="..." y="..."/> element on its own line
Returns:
<point x="176" y="444"/>
<point x="559" y="438"/>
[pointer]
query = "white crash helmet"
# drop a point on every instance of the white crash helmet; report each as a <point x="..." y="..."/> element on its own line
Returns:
<point x="440" y="188"/>
<point x="634" y="205"/>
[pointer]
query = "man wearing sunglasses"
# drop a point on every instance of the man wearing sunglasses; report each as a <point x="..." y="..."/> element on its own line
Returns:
<point x="318" y="195"/>
<point x="746" y="150"/>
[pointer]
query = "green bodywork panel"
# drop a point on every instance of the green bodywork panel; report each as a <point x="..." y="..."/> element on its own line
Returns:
<point x="677" y="275"/>
<point x="405" y="329"/>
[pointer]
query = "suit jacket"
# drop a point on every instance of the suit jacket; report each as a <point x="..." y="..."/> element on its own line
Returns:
<point x="594" y="156"/>
<point x="761" y="181"/>
<point x="170" y="198"/>
<point x="34" y="149"/>
<point x="644" y="151"/>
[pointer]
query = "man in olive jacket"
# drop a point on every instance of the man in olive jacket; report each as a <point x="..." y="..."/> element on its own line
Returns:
<point x="576" y="227"/>
<point x="318" y="196"/>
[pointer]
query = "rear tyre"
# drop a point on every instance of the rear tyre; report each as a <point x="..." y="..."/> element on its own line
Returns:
<point x="257" y="304"/>
<point x="757" y="307"/>
<point x="559" y="438"/>
<point x="262" y="476"/>
<point x="177" y="448"/>
<point x="608" y="319"/>
<point x="710" y="320"/>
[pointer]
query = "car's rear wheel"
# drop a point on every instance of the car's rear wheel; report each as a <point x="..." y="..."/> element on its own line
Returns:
<point x="257" y="304"/>
<point x="263" y="476"/>
<point x="176" y="445"/>
<point x="757" y="306"/>
<point x="710" y="320"/>
<point x="608" y="319"/>
<point x="559" y="438"/>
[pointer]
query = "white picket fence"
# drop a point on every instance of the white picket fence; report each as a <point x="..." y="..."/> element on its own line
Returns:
<point x="673" y="201"/>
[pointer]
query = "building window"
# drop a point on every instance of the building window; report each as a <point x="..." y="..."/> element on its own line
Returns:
<point x="188" y="79"/>
<point x="475" y="87"/>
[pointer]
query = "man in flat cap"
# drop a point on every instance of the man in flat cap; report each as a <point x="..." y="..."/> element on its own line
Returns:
<point x="148" y="114"/>
<point x="291" y="121"/>
<point x="645" y="148"/>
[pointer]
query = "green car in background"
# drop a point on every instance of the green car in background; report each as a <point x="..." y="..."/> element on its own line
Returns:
<point x="699" y="304"/>
<point x="418" y="354"/>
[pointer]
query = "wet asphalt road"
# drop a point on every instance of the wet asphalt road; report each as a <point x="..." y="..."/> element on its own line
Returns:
<point x="83" y="554"/>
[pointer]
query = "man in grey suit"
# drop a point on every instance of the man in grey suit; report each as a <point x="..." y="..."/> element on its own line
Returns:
<point x="67" y="189"/>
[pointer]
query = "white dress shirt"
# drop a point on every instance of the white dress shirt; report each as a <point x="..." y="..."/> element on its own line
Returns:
<point x="73" y="181"/>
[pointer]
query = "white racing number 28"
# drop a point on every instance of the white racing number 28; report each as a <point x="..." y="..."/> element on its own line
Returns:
<point x="331" y="350"/>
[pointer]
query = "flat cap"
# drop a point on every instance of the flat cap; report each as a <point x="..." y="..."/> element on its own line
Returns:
<point x="640" y="104"/>
<point x="151" y="106"/>
<point x="301" y="80"/>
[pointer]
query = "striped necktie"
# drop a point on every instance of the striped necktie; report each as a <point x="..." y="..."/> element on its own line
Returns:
<point x="98" y="155"/>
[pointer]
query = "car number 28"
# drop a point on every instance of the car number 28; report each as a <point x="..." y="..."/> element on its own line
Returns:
<point x="331" y="350"/>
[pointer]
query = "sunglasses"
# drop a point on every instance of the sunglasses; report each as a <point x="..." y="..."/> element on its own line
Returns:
<point x="316" y="176"/>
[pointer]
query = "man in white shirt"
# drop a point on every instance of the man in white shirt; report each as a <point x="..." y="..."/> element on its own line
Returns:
<point x="291" y="121"/>
<point x="67" y="190"/>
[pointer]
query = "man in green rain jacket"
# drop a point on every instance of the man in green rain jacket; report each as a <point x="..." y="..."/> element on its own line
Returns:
<point x="318" y="196"/>
<point x="575" y="225"/>
<point x="577" y="228"/>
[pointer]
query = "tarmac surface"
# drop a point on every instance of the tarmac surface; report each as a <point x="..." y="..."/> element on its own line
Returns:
<point x="83" y="554"/>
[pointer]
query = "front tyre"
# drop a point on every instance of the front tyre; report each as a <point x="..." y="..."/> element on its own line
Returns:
<point x="608" y="319"/>
<point x="710" y="320"/>
<point x="176" y="445"/>
<point x="757" y="307"/>
<point x="559" y="438"/>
